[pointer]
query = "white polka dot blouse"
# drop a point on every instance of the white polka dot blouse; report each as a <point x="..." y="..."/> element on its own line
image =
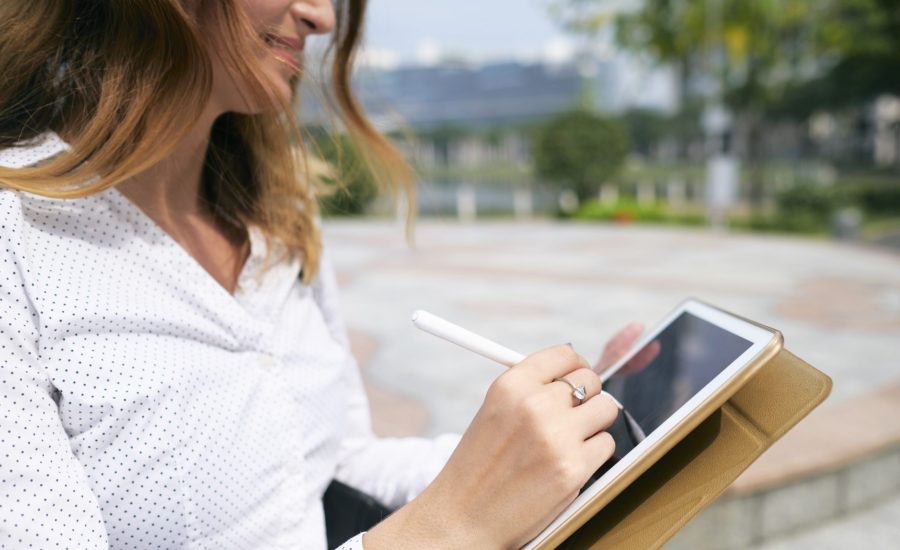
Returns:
<point x="142" y="405"/>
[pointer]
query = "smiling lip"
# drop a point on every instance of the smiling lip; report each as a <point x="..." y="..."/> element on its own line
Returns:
<point x="285" y="49"/>
<point x="291" y="44"/>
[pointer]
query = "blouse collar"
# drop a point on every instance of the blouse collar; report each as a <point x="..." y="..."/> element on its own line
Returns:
<point x="34" y="151"/>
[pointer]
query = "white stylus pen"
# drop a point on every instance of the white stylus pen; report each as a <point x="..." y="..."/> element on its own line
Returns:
<point x="442" y="328"/>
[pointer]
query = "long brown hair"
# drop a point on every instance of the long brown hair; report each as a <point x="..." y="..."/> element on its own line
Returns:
<point x="124" y="82"/>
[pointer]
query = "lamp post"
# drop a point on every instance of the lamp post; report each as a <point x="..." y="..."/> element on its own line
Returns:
<point x="722" y="167"/>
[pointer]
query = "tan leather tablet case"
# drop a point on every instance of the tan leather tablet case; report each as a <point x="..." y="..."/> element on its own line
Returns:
<point x="655" y="506"/>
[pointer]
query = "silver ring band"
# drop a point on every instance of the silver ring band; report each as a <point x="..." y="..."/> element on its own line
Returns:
<point x="578" y="392"/>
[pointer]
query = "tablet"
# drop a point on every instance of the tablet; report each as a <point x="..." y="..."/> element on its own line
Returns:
<point x="673" y="378"/>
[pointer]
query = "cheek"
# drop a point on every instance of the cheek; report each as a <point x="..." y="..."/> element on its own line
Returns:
<point x="260" y="11"/>
<point x="232" y="91"/>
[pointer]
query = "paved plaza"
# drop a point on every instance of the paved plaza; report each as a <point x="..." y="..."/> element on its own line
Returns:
<point x="530" y="285"/>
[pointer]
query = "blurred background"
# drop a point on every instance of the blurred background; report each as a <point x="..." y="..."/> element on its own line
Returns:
<point x="585" y="163"/>
<point x="753" y="115"/>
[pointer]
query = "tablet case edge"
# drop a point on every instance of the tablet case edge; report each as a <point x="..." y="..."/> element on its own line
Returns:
<point x="702" y="465"/>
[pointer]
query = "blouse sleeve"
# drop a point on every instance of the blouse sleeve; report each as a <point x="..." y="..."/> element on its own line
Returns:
<point x="380" y="467"/>
<point x="45" y="499"/>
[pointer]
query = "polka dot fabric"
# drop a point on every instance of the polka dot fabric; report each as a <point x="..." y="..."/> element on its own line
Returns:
<point x="144" y="406"/>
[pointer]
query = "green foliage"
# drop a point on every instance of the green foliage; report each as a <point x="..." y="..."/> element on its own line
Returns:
<point x="805" y="207"/>
<point x="351" y="187"/>
<point x="811" y="208"/>
<point x="628" y="211"/>
<point x="646" y="129"/>
<point x="580" y="150"/>
<point x="877" y="198"/>
<point x="800" y="224"/>
<point x="860" y="39"/>
<point x="755" y="45"/>
<point x="784" y="57"/>
<point x="809" y="200"/>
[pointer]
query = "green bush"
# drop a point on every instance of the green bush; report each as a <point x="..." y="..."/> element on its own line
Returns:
<point x="810" y="200"/>
<point x="801" y="208"/>
<point x="580" y="150"/>
<point x="879" y="198"/>
<point x="796" y="223"/>
<point x="628" y="211"/>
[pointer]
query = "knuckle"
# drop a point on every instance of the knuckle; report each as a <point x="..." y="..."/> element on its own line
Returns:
<point x="532" y="411"/>
<point x="591" y="380"/>
<point x="610" y="409"/>
<point x="608" y="444"/>
<point x="504" y="387"/>
<point x="568" y="472"/>
<point x="565" y="355"/>
<point x="559" y="354"/>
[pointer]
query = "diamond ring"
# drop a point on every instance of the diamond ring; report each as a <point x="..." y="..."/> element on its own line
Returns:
<point x="578" y="392"/>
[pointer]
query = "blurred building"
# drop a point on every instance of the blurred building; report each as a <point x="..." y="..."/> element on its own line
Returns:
<point x="502" y="93"/>
<point x="497" y="94"/>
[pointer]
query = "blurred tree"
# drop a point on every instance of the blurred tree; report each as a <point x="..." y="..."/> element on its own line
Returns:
<point x="646" y="129"/>
<point x="749" y="49"/>
<point x="349" y="188"/>
<point x="858" y="47"/>
<point x="580" y="150"/>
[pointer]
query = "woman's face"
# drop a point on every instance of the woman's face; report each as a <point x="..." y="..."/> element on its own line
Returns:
<point x="283" y="27"/>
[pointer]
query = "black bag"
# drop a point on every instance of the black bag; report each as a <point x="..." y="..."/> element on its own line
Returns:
<point x="349" y="512"/>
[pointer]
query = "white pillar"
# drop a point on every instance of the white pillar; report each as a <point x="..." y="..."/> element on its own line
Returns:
<point x="676" y="192"/>
<point x="466" y="205"/>
<point x="609" y="194"/>
<point x="568" y="201"/>
<point x="523" y="203"/>
<point x="646" y="193"/>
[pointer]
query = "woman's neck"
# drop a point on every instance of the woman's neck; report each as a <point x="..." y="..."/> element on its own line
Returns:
<point x="171" y="189"/>
<point x="170" y="194"/>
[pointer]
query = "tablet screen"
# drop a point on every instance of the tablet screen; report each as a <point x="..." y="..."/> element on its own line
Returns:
<point x="671" y="369"/>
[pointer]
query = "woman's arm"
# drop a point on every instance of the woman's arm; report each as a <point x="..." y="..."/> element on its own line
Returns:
<point x="45" y="499"/>
<point x="521" y="461"/>
<point x="391" y="470"/>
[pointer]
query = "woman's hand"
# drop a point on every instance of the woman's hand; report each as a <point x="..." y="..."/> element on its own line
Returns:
<point x="522" y="460"/>
<point x="620" y="343"/>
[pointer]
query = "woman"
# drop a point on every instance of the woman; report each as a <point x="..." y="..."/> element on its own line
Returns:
<point x="174" y="369"/>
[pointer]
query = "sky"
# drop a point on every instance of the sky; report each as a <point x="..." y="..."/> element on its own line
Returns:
<point x="404" y="31"/>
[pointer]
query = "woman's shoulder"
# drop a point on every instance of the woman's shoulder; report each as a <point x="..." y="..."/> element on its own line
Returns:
<point x="29" y="221"/>
<point x="26" y="214"/>
<point x="32" y="152"/>
<point x="16" y="205"/>
<point x="40" y="212"/>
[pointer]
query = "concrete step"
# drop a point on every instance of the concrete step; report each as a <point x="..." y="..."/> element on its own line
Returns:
<point x="839" y="461"/>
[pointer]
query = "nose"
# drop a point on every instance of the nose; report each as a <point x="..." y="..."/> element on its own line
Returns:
<point x="317" y="16"/>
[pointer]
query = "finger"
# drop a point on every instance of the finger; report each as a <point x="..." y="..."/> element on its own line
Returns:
<point x="642" y="358"/>
<point x="595" y="415"/>
<point x="598" y="449"/>
<point x="618" y="345"/>
<point x="581" y="377"/>
<point x="551" y="363"/>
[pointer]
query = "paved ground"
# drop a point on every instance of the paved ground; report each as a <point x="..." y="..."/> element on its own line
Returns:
<point x="892" y="240"/>
<point x="531" y="285"/>
<point x="877" y="527"/>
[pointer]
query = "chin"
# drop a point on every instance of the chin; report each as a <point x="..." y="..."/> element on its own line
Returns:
<point x="280" y="94"/>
